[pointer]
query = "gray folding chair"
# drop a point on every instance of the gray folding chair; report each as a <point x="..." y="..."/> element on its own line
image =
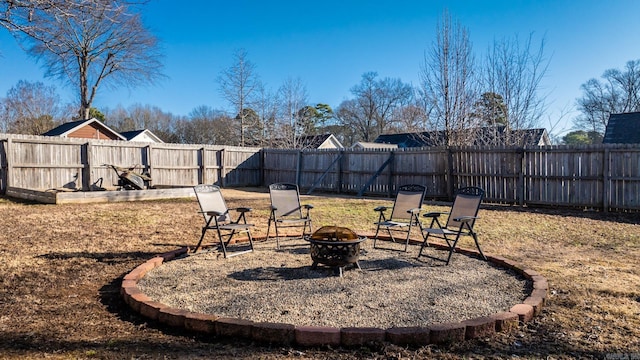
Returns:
<point x="460" y="221"/>
<point x="286" y="210"/>
<point x="216" y="216"/>
<point x="404" y="215"/>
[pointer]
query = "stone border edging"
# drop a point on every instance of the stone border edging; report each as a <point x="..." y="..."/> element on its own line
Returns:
<point x="290" y="334"/>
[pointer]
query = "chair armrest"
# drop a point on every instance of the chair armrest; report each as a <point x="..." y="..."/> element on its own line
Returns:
<point x="216" y="213"/>
<point x="243" y="209"/>
<point x="433" y="214"/>
<point x="465" y="218"/>
<point x="307" y="206"/>
<point x="414" y="210"/>
<point x="381" y="208"/>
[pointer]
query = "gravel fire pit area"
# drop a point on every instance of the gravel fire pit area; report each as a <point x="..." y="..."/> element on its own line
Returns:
<point x="393" y="289"/>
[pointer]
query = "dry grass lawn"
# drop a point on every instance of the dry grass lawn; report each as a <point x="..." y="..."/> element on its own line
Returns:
<point x="61" y="268"/>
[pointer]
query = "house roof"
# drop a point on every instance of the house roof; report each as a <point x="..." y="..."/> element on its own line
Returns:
<point x="623" y="129"/>
<point x="69" y="127"/>
<point x="498" y="135"/>
<point x="131" y="135"/>
<point x="373" y="145"/>
<point x="316" y="141"/>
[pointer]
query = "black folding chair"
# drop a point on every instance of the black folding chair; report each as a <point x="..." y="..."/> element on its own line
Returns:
<point x="286" y="210"/>
<point x="217" y="217"/>
<point x="460" y="221"/>
<point x="404" y="215"/>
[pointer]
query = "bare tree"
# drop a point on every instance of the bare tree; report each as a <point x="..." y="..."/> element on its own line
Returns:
<point x="514" y="72"/>
<point x="90" y="44"/>
<point x="293" y="97"/>
<point x="376" y="105"/>
<point x="411" y="118"/>
<point x="355" y="126"/>
<point x="31" y="108"/>
<point x="266" y="106"/>
<point x="18" y="15"/>
<point x="239" y="85"/>
<point x="617" y="92"/>
<point x="119" y="119"/>
<point x="139" y="117"/>
<point x="206" y="125"/>
<point x="449" y="85"/>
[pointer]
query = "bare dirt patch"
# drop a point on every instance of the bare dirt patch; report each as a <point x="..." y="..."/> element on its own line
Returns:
<point x="61" y="268"/>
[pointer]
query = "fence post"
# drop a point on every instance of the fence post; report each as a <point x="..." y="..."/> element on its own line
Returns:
<point x="261" y="170"/>
<point x="340" y="170"/>
<point x="87" y="170"/>
<point x="202" y="176"/>
<point x="298" y="167"/>
<point x="390" y="182"/>
<point x="449" y="173"/>
<point x="9" y="158"/>
<point x="606" y="180"/>
<point x="223" y="170"/>
<point x="520" y="185"/>
<point x="3" y="169"/>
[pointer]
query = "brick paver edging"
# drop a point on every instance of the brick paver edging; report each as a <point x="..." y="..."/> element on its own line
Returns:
<point x="290" y="334"/>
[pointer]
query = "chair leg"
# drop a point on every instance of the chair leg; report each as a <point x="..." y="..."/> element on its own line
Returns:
<point x="475" y="238"/>
<point x="391" y="234"/>
<point x="452" y="247"/>
<point x="268" y="229"/>
<point x="375" y="237"/>
<point x="224" y="248"/>
<point x="425" y="242"/>
<point x="304" y="228"/>
<point x="204" y="231"/>
<point x="250" y="239"/>
<point x="406" y="243"/>
<point x="275" y="224"/>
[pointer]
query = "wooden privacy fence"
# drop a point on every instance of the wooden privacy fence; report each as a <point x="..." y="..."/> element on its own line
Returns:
<point x="42" y="163"/>
<point x="598" y="176"/>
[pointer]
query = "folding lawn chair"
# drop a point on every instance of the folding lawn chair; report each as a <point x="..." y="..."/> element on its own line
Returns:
<point x="460" y="221"/>
<point x="286" y="210"/>
<point x="404" y="215"/>
<point x="217" y="217"/>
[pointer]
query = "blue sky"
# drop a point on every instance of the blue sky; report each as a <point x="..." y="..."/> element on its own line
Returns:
<point x="330" y="44"/>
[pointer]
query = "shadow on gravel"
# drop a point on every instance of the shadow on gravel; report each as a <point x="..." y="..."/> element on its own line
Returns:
<point x="272" y="273"/>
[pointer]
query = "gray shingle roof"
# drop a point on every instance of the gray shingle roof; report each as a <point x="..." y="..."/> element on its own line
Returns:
<point x="623" y="129"/>
<point x="68" y="127"/>
<point x="131" y="134"/>
<point x="485" y="136"/>
<point x="57" y="131"/>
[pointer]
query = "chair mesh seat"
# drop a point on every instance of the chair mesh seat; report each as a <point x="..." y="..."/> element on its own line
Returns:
<point x="217" y="217"/>
<point x="286" y="210"/>
<point x="460" y="221"/>
<point x="404" y="215"/>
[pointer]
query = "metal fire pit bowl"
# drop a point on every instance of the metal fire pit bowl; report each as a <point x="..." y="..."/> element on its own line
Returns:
<point x="335" y="246"/>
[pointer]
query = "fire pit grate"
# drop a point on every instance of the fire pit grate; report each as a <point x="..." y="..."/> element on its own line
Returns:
<point x="335" y="246"/>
